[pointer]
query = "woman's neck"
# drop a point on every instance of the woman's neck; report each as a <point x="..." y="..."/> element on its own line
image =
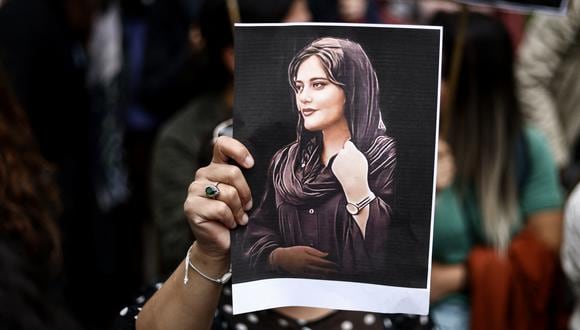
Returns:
<point x="333" y="140"/>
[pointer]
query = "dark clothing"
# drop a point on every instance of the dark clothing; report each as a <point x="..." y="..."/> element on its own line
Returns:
<point x="269" y="319"/>
<point x="320" y="219"/>
<point x="183" y="145"/>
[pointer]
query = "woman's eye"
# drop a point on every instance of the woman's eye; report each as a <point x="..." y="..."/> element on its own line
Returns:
<point x="299" y="88"/>
<point x="318" y="85"/>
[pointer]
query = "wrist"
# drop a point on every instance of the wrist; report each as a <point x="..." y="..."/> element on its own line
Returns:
<point x="357" y="194"/>
<point x="272" y="259"/>
<point x="211" y="264"/>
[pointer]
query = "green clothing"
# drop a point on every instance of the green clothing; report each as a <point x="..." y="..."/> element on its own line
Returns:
<point x="458" y="222"/>
<point x="182" y="146"/>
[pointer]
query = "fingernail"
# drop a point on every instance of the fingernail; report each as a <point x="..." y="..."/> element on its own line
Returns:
<point x="245" y="219"/>
<point x="234" y="225"/>
<point x="248" y="205"/>
<point x="249" y="161"/>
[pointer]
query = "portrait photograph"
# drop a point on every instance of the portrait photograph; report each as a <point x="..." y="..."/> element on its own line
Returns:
<point x="342" y="121"/>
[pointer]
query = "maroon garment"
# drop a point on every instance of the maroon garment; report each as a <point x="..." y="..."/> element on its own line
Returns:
<point x="516" y="291"/>
<point x="320" y="219"/>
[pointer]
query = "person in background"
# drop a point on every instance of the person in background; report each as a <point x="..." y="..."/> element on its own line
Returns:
<point x="30" y="245"/>
<point x="504" y="198"/>
<point x="570" y="254"/>
<point x="548" y="68"/>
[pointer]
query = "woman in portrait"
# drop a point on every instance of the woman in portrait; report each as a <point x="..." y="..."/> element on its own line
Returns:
<point x="327" y="204"/>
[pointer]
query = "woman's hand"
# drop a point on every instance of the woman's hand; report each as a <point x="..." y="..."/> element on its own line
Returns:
<point x="445" y="166"/>
<point x="192" y="306"/>
<point x="302" y="260"/>
<point x="211" y="219"/>
<point x="350" y="167"/>
<point x="447" y="279"/>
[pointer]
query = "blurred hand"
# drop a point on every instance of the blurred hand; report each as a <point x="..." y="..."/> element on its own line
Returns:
<point x="352" y="10"/>
<point x="446" y="279"/>
<point x="350" y="167"/>
<point x="445" y="166"/>
<point x="302" y="260"/>
<point x="212" y="219"/>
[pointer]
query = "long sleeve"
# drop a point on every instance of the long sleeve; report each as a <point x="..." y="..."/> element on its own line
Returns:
<point x="382" y="162"/>
<point x="262" y="233"/>
<point x="543" y="53"/>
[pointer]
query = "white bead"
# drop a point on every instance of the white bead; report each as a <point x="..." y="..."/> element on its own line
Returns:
<point x="346" y="325"/>
<point x="253" y="318"/>
<point x="241" y="326"/>
<point x="228" y="309"/>
<point x="369" y="319"/>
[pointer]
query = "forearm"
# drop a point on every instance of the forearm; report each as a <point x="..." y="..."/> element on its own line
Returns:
<point x="447" y="279"/>
<point x="354" y="193"/>
<point x="547" y="227"/>
<point x="191" y="306"/>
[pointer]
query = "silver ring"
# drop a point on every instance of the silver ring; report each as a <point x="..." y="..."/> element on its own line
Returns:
<point x="212" y="190"/>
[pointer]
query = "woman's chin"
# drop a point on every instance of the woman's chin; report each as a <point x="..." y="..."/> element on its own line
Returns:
<point x="311" y="128"/>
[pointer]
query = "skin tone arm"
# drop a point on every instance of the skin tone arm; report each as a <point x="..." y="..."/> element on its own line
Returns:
<point x="192" y="306"/>
<point x="547" y="226"/>
<point x="445" y="279"/>
<point x="351" y="169"/>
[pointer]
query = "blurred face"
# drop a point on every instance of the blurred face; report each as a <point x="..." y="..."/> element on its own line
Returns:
<point x="320" y="102"/>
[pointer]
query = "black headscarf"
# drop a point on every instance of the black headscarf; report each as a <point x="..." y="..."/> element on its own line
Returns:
<point x="298" y="175"/>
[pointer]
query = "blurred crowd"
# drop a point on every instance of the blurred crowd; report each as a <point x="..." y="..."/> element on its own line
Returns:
<point x="108" y="107"/>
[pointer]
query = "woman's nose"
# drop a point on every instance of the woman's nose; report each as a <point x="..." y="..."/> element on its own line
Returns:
<point x="304" y="97"/>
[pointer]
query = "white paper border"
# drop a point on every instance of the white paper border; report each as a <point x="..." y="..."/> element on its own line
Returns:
<point x="282" y="292"/>
<point x="365" y="25"/>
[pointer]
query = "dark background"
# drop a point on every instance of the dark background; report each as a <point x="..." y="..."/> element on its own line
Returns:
<point x="406" y="62"/>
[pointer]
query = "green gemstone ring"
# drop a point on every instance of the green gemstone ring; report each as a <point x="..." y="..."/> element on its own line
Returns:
<point x="212" y="190"/>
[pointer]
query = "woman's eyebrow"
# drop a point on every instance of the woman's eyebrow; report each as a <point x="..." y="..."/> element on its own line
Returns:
<point x="296" y="81"/>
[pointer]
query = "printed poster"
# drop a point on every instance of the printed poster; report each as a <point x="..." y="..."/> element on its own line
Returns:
<point x="342" y="122"/>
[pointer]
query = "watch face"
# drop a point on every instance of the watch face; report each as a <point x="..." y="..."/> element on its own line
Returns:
<point x="352" y="209"/>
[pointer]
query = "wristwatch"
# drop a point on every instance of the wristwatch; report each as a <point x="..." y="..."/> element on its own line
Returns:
<point x="355" y="208"/>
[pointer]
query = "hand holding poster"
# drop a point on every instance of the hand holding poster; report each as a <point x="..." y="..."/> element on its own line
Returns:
<point x="342" y="122"/>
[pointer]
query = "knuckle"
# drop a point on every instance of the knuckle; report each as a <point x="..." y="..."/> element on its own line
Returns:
<point x="191" y="187"/>
<point x="223" y="211"/>
<point x="234" y="172"/>
<point x="188" y="208"/>
<point x="227" y="193"/>
<point x="200" y="173"/>
<point x="219" y="141"/>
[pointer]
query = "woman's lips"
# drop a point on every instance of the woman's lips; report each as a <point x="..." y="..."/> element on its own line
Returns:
<point x="308" y="111"/>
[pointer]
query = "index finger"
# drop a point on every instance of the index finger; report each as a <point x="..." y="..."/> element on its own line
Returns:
<point x="227" y="148"/>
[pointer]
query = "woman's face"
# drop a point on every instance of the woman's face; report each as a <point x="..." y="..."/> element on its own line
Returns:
<point x="320" y="102"/>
